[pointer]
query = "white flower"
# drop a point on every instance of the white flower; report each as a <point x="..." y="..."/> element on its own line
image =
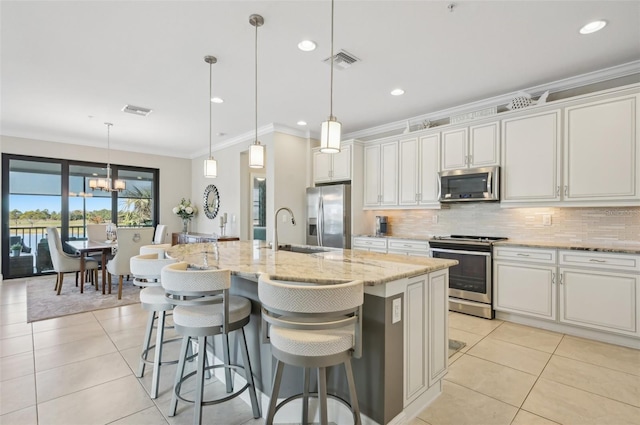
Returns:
<point x="185" y="209"/>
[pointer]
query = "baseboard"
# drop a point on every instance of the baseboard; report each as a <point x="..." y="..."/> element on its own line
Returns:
<point x="571" y="330"/>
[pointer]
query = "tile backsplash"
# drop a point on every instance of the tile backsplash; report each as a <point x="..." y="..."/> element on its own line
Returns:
<point x="488" y="219"/>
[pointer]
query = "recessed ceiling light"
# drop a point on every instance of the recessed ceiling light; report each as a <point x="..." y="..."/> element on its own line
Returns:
<point x="592" y="27"/>
<point x="301" y="122"/>
<point x="217" y="100"/>
<point x="307" y="46"/>
<point x="397" y="92"/>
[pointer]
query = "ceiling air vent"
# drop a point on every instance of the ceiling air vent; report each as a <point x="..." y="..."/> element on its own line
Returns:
<point x="342" y="60"/>
<point x="136" y="110"/>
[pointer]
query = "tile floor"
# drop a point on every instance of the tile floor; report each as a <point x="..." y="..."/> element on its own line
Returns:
<point x="79" y="370"/>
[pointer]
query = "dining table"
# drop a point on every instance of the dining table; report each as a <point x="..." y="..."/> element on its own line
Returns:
<point x="85" y="247"/>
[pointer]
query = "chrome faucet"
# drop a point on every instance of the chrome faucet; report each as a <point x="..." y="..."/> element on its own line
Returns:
<point x="275" y="228"/>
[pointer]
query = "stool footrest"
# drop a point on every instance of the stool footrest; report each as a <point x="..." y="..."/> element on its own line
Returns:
<point x="217" y="400"/>
<point x="315" y="395"/>
<point x="151" y="347"/>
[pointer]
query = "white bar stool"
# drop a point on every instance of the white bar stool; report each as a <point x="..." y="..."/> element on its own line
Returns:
<point x="203" y="309"/>
<point x="312" y="326"/>
<point x="159" y="249"/>
<point x="146" y="272"/>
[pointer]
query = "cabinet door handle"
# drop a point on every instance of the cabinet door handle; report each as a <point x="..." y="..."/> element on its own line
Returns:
<point x="557" y="190"/>
<point x="470" y="159"/>
<point x="519" y="254"/>
<point x="553" y="278"/>
<point x="466" y="159"/>
<point x="561" y="279"/>
<point x="566" y="190"/>
<point x="593" y="260"/>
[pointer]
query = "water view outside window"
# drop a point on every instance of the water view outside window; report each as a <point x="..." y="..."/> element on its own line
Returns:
<point x="43" y="192"/>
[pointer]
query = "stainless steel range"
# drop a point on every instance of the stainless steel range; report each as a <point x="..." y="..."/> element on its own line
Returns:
<point x="470" y="282"/>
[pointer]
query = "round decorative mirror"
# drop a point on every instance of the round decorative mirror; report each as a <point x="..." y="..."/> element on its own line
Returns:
<point x="211" y="201"/>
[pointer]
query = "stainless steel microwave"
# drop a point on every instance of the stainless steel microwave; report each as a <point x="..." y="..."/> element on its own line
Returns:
<point x="470" y="184"/>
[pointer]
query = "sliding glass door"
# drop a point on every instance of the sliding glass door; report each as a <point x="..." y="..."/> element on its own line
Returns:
<point x="41" y="192"/>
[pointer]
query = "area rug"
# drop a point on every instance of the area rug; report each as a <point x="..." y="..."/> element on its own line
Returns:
<point x="43" y="303"/>
<point x="455" y="346"/>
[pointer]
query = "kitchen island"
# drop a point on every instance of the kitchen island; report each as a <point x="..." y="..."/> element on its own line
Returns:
<point x="405" y="321"/>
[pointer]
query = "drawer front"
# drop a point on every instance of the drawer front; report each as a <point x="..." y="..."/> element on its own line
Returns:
<point x="378" y="243"/>
<point x="408" y="245"/>
<point x="534" y="255"/>
<point x="601" y="260"/>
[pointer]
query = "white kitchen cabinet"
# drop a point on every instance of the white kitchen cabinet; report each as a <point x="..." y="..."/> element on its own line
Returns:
<point x="408" y="247"/>
<point x="418" y="170"/>
<point x="471" y="147"/>
<point x="332" y="167"/>
<point x="438" y="325"/>
<point x="525" y="281"/>
<point x="603" y="300"/>
<point x="425" y="332"/>
<point x="365" y="243"/>
<point x="600" y="291"/>
<point x="381" y="174"/>
<point x="531" y="152"/>
<point x="527" y="289"/>
<point x="601" y="150"/>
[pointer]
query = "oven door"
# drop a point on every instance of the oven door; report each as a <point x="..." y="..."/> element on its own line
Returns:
<point x="470" y="279"/>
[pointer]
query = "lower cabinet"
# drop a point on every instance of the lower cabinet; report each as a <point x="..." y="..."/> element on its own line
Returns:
<point x="595" y="290"/>
<point x="601" y="300"/>
<point x="527" y="289"/>
<point x="408" y="247"/>
<point x="426" y="333"/>
<point x="365" y="243"/>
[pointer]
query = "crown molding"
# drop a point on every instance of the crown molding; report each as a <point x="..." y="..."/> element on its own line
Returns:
<point x="249" y="136"/>
<point x="555" y="86"/>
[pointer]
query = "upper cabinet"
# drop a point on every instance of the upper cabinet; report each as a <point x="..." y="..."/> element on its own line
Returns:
<point x="381" y="174"/>
<point x="470" y="147"/>
<point x="601" y="150"/>
<point x="595" y="163"/>
<point x="530" y="158"/>
<point x="418" y="170"/>
<point x="332" y="167"/>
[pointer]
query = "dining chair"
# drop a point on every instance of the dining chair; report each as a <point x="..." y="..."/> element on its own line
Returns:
<point x="97" y="232"/>
<point x="65" y="263"/>
<point x="160" y="235"/>
<point x="129" y="242"/>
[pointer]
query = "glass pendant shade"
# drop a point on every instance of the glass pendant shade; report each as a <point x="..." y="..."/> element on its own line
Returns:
<point x="330" y="134"/>
<point x="256" y="155"/>
<point x="210" y="168"/>
<point x="119" y="185"/>
<point x="93" y="183"/>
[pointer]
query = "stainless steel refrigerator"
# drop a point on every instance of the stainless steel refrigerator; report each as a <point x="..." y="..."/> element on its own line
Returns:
<point x="329" y="216"/>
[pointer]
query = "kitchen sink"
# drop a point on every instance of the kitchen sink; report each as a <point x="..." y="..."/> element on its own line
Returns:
<point x="303" y="249"/>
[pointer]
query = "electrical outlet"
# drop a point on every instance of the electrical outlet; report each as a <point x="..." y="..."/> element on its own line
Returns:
<point x="396" y="314"/>
<point x="434" y="219"/>
<point x="546" y="219"/>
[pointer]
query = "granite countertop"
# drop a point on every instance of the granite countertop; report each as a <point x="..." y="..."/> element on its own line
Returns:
<point x="249" y="259"/>
<point x="623" y="247"/>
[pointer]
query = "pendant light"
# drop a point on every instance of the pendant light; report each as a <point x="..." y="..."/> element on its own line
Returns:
<point x="107" y="184"/>
<point x="330" y="130"/>
<point x="210" y="165"/>
<point x="256" y="150"/>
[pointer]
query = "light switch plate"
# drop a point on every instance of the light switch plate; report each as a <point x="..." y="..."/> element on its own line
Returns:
<point x="396" y="314"/>
<point x="546" y="219"/>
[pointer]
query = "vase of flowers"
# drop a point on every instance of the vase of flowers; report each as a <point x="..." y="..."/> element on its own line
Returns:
<point x="186" y="210"/>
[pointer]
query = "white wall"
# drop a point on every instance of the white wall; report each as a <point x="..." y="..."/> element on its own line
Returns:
<point x="232" y="175"/>
<point x="175" y="173"/>
<point x="287" y="172"/>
